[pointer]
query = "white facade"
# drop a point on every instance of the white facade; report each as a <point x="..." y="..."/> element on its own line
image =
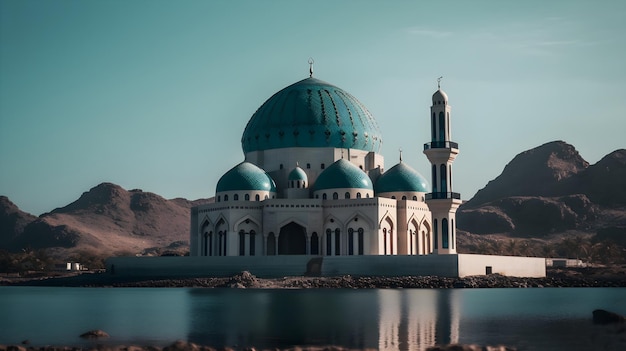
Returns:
<point x="295" y="194"/>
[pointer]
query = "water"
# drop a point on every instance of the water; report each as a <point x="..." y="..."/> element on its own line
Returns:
<point x="409" y="319"/>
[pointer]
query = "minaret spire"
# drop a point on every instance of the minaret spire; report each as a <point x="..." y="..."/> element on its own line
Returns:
<point x="311" y="62"/>
<point x="441" y="153"/>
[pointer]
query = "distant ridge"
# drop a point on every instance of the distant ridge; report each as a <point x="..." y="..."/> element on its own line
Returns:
<point x="549" y="189"/>
<point x="106" y="220"/>
<point x="541" y="171"/>
<point x="12" y="222"/>
<point x="542" y="191"/>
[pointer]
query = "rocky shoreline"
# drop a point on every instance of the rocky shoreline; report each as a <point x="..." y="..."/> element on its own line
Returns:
<point x="188" y="346"/>
<point x="570" y="277"/>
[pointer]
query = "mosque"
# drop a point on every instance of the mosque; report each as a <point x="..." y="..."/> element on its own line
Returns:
<point x="314" y="183"/>
<point x="312" y="196"/>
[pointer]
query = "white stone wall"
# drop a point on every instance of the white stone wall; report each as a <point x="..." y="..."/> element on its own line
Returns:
<point x="506" y="265"/>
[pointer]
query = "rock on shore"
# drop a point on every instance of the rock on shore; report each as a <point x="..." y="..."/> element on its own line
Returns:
<point x="182" y="345"/>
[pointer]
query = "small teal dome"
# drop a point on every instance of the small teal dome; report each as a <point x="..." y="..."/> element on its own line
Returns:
<point x="343" y="174"/>
<point x="401" y="178"/>
<point x="311" y="113"/>
<point x="246" y="176"/>
<point x="297" y="174"/>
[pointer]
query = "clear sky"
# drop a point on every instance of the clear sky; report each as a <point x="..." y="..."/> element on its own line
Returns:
<point x="156" y="94"/>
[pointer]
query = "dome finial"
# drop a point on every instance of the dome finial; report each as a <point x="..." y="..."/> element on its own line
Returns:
<point x="400" y="149"/>
<point x="311" y="62"/>
<point x="439" y="82"/>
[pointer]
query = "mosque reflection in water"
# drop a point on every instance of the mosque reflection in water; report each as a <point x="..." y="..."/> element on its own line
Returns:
<point x="382" y="319"/>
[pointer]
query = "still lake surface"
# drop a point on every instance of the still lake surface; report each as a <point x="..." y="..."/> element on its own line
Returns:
<point x="401" y="319"/>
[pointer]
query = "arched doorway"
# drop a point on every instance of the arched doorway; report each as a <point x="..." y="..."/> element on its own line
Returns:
<point x="292" y="240"/>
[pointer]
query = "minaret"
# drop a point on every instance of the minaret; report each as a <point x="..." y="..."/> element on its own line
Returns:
<point x="441" y="152"/>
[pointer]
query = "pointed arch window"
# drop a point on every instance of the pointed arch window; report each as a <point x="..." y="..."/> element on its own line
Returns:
<point x="315" y="245"/>
<point x="242" y="243"/>
<point x="252" y="243"/>
<point x="443" y="178"/>
<point x="442" y="127"/>
<point x="324" y="196"/>
<point x="335" y="196"/>
<point x="257" y="197"/>
<point x="347" y="195"/>
<point x="435" y="234"/>
<point x="361" y="240"/>
<point x="225" y="197"/>
<point x="434" y="178"/>
<point x="444" y="233"/>
<point x="337" y="242"/>
<point x="246" y="197"/>
<point x="329" y="242"/>
<point x="350" y="241"/>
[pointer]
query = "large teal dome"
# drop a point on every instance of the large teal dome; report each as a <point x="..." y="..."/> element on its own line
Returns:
<point x="343" y="174"/>
<point x="246" y="176"/>
<point x="401" y="178"/>
<point x="311" y="113"/>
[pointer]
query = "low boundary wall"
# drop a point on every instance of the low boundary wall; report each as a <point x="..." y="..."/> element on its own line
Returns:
<point x="459" y="265"/>
<point x="513" y="266"/>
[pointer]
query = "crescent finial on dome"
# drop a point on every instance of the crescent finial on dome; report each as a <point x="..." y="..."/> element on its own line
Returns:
<point x="311" y="62"/>
<point x="439" y="82"/>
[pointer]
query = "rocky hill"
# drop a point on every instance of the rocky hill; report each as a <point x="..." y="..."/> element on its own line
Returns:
<point x="106" y="220"/>
<point x="12" y="222"/>
<point x="550" y="189"/>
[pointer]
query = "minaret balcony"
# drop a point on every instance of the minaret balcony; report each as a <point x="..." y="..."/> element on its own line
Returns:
<point x="441" y="145"/>
<point x="439" y="196"/>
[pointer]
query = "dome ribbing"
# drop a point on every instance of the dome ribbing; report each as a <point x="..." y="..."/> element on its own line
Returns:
<point x="311" y="113"/>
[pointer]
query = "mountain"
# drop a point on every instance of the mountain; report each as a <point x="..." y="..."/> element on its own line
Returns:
<point x="12" y="222"/>
<point x="108" y="220"/>
<point x="550" y="189"/>
<point x="542" y="171"/>
<point x="605" y="182"/>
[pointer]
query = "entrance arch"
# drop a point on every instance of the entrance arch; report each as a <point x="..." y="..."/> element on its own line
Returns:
<point x="292" y="240"/>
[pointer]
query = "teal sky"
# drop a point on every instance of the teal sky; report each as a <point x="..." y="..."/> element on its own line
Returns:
<point x="156" y="94"/>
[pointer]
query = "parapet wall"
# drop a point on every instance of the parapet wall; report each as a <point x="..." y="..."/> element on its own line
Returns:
<point x="202" y="266"/>
<point x="396" y="265"/>
<point x="460" y="265"/>
<point x="513" y="266"/>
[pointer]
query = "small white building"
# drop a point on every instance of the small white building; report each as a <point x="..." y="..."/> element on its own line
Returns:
<point x="313" y="183"/>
